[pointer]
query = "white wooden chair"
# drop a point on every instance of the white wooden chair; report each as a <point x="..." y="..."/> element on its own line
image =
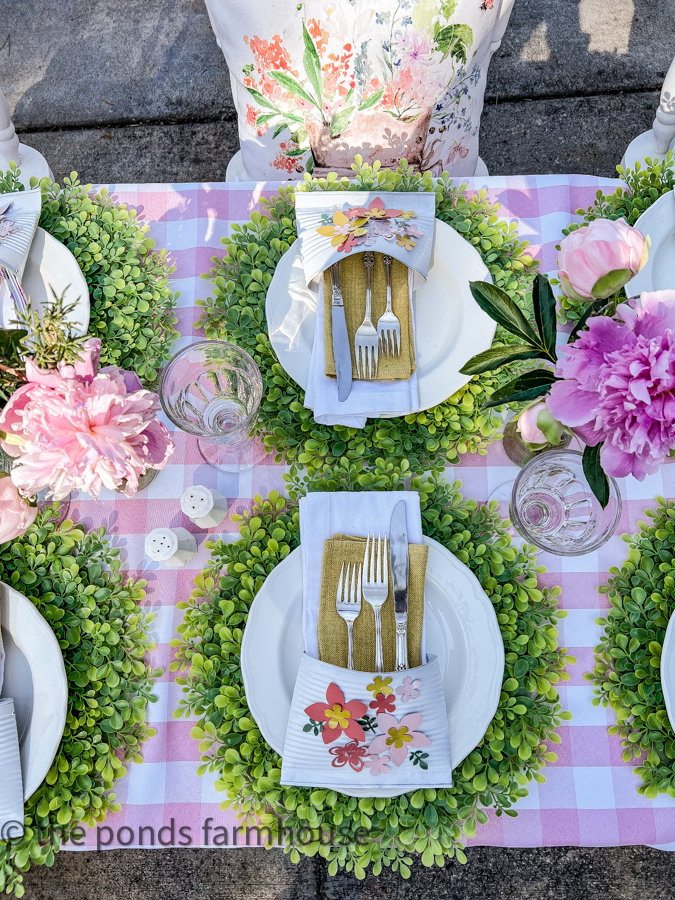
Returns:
<point x="656" y="143"/>
<point x="29" y="160"/>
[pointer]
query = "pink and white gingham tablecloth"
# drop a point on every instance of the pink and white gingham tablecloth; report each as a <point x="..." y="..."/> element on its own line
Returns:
<point x="589" y="798"/>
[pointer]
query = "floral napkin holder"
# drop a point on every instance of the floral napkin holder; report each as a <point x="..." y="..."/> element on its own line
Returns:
<point x="19" y="216"/>
<point x="332" y="224"/>
<point x="357" y="732"/>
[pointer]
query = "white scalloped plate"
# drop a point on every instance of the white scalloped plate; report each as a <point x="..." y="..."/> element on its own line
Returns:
<point x="461" y="630"/>
<point x="450" y="327"/>
<point x="35" y="678"/>
<point x="658" y="222"/>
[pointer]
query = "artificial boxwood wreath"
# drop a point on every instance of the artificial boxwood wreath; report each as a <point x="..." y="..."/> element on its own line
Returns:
<point x="236" y="312"/>
<point x="74" y="581"/>
<point x="132" y="306"/>
<point x="430" y="822"/>
<point x="627" y="673"/>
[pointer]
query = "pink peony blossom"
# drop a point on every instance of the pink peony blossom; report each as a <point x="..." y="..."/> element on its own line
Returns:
<point x="80" y="429"/>
<point x="618" y="385"/>
<point x="599" y="258"/>
<point x="16" y="516"/>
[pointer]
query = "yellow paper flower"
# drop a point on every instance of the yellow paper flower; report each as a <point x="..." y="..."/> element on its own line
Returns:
<point x="397" y="737"/>
<point x="408" y="215"/>
<point x="338" y="717"/>
<point x="341" y="228"/>
<point x="404" y="240"/>
<point x="380" y="686"/>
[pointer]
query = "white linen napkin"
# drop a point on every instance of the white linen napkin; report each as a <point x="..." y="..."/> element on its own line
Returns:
<point x="355" y="754"/>
<point x="345" y="512"/>
<point x="367" y="398"/>
<point x="11" y="782"/>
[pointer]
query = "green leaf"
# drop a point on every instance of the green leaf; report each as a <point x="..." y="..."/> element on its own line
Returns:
<point x="595" y="475"/>
<point x="526" y="387"/>
<point x="372" y="100"/>
<point x="340" y="121"/>
<point x="543" y="302"/>
<point x="454" y="40"/>
<point x="290" y="84"/>
<point x="610" y="283"/>
<point x="261" y="100"/>
<point x="312" y="63"/>
<point x="592" y="309"/>
<point x="496" y="357"/>
<point x="500" y="307"/>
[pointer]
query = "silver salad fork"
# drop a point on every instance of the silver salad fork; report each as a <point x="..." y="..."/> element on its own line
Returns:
<point x="388" y="326"/>
<point x="348" y="602"/>
<point x="365" y="339"/>
<point x="375" y="588"/>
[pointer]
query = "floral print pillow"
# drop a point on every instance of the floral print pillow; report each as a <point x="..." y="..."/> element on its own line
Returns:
<point x="315" y="83"/>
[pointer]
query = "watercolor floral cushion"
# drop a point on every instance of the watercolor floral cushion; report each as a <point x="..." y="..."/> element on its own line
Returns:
<point x="347" y="728"/>
<point x="315" y="83"/>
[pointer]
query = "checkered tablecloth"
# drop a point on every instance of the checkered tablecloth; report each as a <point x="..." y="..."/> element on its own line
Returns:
<point x="589" y="797"/>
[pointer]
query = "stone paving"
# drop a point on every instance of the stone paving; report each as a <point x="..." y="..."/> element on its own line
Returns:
<point x="137" y="90"/>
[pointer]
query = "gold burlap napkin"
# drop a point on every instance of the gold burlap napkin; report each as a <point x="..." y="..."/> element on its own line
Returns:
<point x="333" y="630"/>
<point x="353" y="283"/>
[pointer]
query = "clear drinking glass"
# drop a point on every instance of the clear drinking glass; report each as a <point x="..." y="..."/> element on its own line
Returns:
<point x="213" y="390"/>
<point x="553" y="507"/>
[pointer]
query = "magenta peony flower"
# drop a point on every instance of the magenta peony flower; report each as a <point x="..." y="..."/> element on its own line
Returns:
<point x="598" y="259"/>
<point x="15" y="514"/>
<point x="76" y="429"/>
<point x="619" y="385"/>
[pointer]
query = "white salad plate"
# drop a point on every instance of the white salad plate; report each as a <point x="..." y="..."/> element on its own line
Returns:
<point x="35" y="678"/>
<point x="658" y="274"/>
<point x="668" y="670"/>
<point x="461" y="630"/>
<point x="51" y="266"/>
<point x="450" y="327"/>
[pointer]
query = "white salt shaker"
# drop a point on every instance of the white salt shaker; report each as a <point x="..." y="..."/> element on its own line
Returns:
<point x="203" y="506"/>
<point x="174" y="547"/>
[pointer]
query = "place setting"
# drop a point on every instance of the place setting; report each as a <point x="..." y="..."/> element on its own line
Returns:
<point x="370" y="311"/>
<point x="365" y="636"/>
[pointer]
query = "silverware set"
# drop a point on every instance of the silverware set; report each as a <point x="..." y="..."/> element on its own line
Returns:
<point x="16" y="292"/>
<point x="370" y="341"/>
<point x="369" y="581"/>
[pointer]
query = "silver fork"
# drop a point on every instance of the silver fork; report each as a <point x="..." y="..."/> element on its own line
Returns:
<point x="348" y="603"/>
<point x="16" y="292"/>
<point x="365" y="339"/>
<point x="388" y="326"/>
<point x="375" y="587"/>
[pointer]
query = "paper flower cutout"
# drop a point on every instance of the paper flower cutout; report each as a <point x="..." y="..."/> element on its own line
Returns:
<point x="338" y="716"/>
<point x="384" y="704"/>
<point x="409" y="215"/>
<point x="351" y="753"/>
<point x="380" y="686"/>
<point x="413" y="231"/>
<point x="398" y="737"/>
<point x="376" y="210"/>
<point x="378" y="765"/>
<point x="404" y="240"/>
<point x="409" y="690"/>
<point x="342" y="229"/>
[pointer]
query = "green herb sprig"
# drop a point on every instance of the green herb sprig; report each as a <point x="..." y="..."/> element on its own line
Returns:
<point x="627" y="672"/>
<point x="74" y="581"/>
<point x="433" y="823"/>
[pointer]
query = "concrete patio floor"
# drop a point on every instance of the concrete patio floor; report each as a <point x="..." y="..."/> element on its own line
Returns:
<point x="138" y="91"/>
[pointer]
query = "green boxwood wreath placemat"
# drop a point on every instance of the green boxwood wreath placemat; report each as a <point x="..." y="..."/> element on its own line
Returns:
<point x="74" y="581"/>
<point x="432" y="823"/>
<point x="236" y="312"/>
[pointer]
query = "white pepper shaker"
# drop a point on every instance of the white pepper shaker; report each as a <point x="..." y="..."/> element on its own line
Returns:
<point x="173" y="547"/>
<point x="204" y="506"/>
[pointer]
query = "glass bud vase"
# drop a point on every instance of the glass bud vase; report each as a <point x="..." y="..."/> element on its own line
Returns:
<point x="521" y="453"/>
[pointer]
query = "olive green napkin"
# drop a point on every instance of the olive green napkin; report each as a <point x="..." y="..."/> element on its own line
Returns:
<point x="353" y="283"/>
<point x="332" y="630"/>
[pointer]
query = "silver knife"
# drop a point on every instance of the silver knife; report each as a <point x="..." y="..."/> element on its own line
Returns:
<point x="341" y="352"/>
<point x="398" y="548"/>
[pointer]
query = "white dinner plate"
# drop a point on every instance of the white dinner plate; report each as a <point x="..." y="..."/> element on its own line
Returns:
<point x="461" y="630"/>
<point x="658" y="222"/>
<point x="50" y="264"/>
<point x="668" y="670"/>
<point x="450" y="327"/>
<point x="35" y="678"/>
